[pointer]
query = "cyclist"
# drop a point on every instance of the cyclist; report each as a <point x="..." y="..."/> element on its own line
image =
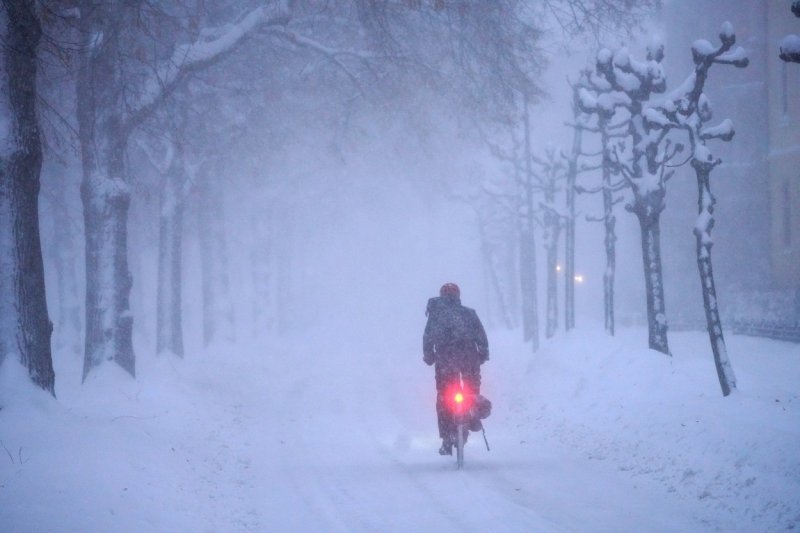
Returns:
<point x="455" y="341"/>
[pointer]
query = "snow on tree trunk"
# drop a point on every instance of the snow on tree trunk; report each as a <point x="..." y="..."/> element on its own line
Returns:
<point x="105" y="196"/>
<point x="688" y="109"/>
<point x="702" y="231"/>
<point x="649" y="223"/>
<point x="610" y="237"/>
<point x="631" y="83"/>
<point x="649" y="190"/>
<point x="109" y="323"/>
<point x="120" y="85"/>
<point x="169" y="322"/>
<point x="25" y="327"/>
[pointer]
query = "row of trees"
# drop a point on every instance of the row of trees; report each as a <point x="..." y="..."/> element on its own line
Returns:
<point x="641" y="141"/>
<point x="149" y="80"/>
<point x="186" y="88"/>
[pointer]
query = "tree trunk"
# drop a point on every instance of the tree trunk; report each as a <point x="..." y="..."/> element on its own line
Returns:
<point x="169" y="323"/>
<point x="109" y="324"/>
<point x="104" y="192"/>
<point x="217" y="305"/>
<point x="528" y="245"/>
<point x="610" y="222"/>
<point x="552" y="224"/>
<point x="26" y="327"/>
<point x="527" y="269"/>
<point x="610" y="239"/>
<point x="64" y="259"/>
<point x="653" y="277"/>
<point x="569" y="244"/>
<point x="648" y="203"/>
<point x="552" y="280"/>
<point x="491" y="271"/>
<point x="702" y="231"/>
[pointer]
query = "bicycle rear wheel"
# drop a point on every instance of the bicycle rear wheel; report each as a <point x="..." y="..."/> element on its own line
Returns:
<point x="460" y="446"/>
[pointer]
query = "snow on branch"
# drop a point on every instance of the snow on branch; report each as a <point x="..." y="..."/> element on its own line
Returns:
<point x="613" y="187"/>
<point x="332" y="54"/>
<point x="723" y="131"/>
<point x="307" y="42"/>
<point x="689" y="105"/>
<point x="790" y="45"/>
<point x="790" y="48"/>
<point x="211" y="45"/>
<point x="656" y="118"/>
<point x="703" y="52"/>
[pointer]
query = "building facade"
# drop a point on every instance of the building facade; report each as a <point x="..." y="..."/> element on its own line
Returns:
<point x="783" y="82"/>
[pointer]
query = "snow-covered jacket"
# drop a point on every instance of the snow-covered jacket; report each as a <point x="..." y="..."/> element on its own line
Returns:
<point x="453" y="330"/>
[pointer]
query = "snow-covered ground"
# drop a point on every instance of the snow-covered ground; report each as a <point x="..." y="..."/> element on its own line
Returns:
<point x="333" y="432"/>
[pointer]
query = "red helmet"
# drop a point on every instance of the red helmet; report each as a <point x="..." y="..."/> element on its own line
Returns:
<point x="450" y="289"/>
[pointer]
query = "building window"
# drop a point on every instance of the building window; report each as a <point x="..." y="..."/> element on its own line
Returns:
<point x="787" y="216"/>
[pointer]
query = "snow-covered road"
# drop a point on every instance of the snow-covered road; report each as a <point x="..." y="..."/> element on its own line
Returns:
<point x="304" y="436"/>
<point x="321" y="442"/>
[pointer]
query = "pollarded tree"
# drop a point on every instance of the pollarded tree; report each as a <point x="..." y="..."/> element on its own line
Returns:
<point x="689" y="109"/>
<point x="570" y="18"/>
<point x="643" y="166"/>
<point x="595" y="96"/>
<point x="25" y="327"/>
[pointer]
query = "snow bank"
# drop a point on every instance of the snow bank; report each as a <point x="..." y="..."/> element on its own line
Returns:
<point x="664" y="419"/>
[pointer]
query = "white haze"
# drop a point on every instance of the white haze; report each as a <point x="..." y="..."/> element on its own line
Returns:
<point x="323" y="420"/>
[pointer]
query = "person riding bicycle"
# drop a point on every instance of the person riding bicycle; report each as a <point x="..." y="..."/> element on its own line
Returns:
<point x="455" y="341"/>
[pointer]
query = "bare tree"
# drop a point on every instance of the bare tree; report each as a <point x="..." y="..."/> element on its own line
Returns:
<point x="117" y="92"/>
<point x="689" y="109"/>
<point x="25" y="327"/>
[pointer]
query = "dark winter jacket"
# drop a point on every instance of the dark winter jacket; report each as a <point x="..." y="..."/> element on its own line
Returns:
<point x="453" y="331"/>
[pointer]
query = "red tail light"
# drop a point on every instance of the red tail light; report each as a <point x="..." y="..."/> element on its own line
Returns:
<point x="459" y="398"/>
